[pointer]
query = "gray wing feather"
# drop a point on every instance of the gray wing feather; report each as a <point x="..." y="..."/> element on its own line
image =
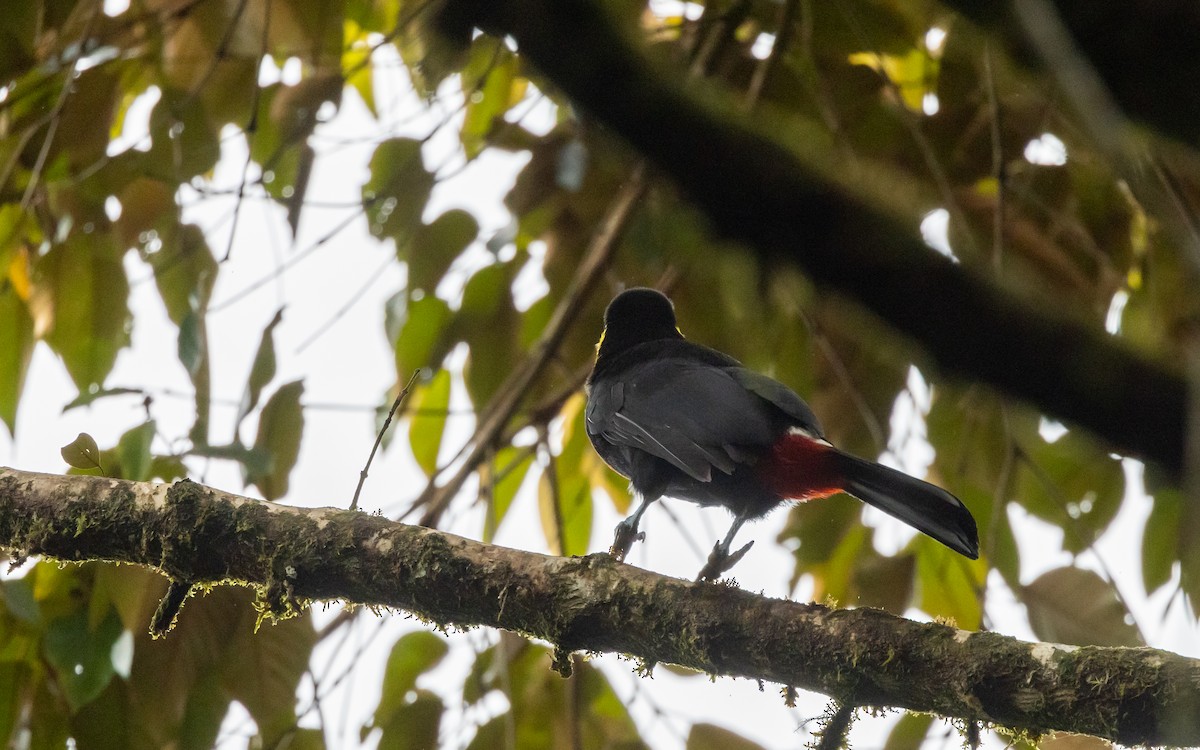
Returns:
<point x="696" y="417"/>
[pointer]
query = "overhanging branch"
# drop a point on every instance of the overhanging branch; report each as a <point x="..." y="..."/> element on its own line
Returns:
<point x="787" y="209"/>
<point x="865" y="657"/>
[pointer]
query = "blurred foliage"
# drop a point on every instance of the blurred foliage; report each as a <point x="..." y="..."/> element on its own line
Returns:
<point x="957" y="124"/>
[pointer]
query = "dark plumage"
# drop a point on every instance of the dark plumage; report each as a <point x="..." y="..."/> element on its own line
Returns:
<point x="686" y="421"/>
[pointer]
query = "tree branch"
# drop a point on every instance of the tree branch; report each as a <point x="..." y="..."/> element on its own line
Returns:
<point x="861" y="657"/>
<point x="789" y="205"/>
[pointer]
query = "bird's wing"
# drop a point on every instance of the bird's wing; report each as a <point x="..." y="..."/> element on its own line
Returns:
<point x="697" y="417"/>
<point x="782" y="397"/>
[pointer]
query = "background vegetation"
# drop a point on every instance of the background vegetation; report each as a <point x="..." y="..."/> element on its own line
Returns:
<point x="1032" y="144"/>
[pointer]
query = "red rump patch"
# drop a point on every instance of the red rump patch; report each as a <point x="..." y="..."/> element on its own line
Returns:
<point x="800" y="468"/>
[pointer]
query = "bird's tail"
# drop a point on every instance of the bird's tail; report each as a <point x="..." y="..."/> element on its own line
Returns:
<point x="925" y="507"/>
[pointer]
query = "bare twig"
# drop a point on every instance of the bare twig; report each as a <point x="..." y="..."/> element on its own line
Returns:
<point x="362" y="475"/>
<point x="999" y="168"/>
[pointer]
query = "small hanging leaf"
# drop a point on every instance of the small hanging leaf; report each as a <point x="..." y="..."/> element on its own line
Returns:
<point x="82" y="452"/>
<point x="408" y="720"/>
<point x="279" y="431"/>
<point x="80" y="297"/>
<point x="134" y="451"/>
<point x="947" y="583"/>
<point x="424" y="335"/>
<point x="573" y="517"/>
<point x="429" y="421"/>
<point x="82" y="656"/>
<point x="434" y="247"/>
<point x="262" y="371"/>
<point x="510" y="467"/>
<point x="395" y="194"/>
<point x="191" y="344"/>
<point x="16" y="340"/>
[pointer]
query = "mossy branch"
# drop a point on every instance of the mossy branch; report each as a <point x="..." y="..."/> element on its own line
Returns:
<point x="862" y="657"/>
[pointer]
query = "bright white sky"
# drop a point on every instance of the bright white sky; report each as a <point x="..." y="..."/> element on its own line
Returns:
<point x="341" y="290"/>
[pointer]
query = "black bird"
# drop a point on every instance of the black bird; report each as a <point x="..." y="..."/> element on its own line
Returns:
<point x="682" y="420"/>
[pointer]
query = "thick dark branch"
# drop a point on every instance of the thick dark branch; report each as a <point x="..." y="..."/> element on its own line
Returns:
<point x="1144" y="52"/>
<point x="861" y="657"/>
<point x="766" y="195"/>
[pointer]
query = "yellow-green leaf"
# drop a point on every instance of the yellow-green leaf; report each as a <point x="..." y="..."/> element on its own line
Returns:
<point x="79" y="298"/>
<point x="16" y="340"/>
<point x="280" y="427"/>
<point x="134" y="451"/>
<point x="82" y="452"/>
<point x="395" y="194"/>
<point x="430" y="410"/>
<point x="263" y="369"/>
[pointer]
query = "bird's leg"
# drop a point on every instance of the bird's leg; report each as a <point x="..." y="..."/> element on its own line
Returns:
<point x="719" y="560"/>
<point x="627" y="532"/>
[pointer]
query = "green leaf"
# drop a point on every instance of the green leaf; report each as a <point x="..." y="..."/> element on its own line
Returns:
<point x="82" y="452"/>
<point x="16" y="682"/>
<point x="280" y="427"/>
<point x="491" y="73"/>
<point x="883" y="582"/>
<point x="183" y="143"/>
<point x="80" y="295"/>
<point x="395" y="194"/>
<point x="814" y="531"/>
<point x="1073" y="483"/>
<point x="1079" y="608"/>
<point x="573" y="516"/>
<point x="134" y="451"/>
<point x="424" y="337"/>
<point x="16" y="340"/>
<point x="489" y="323"/>
<point x="414" y="725"/>
<point x="414" y="654"/>
<point x="184" y="272"/>
<point x="948" y="584"/>
<point x="429" y="55"/>
<point x="81" y="656"/>
<point x="263" y="666"/>
<point x="262" y="371"/>
<point x="704" y="736"/>
<point x="190" y="346"/>
<point x="1159" y="547"/>
<point x="909" y="733"/>
<point x="539" y="702"/>
<point x="430" y="410"/>
<point x="435" y="246"/>
<point x="509" y="467"/>
<point x="356" y="63"/>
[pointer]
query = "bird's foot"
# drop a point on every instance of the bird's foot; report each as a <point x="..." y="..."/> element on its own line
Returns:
<point x="719" y="561"/>
<point x="624" y="536"/>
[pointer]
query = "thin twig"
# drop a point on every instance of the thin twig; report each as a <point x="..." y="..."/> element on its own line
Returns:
<point x="999" y="169"/>
<point x="362" y="475"/>
<point x="783" y="35"/>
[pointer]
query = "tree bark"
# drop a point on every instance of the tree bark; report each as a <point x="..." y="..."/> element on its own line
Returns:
<point x="787" y="204"/>
<point x="864" y="657"/>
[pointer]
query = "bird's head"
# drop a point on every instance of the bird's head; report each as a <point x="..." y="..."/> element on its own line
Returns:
<point x="636" y="316"/>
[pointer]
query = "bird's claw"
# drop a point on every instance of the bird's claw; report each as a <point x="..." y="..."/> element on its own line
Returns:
<point x="719" y="561"/>
<point x="623" y="538"/>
